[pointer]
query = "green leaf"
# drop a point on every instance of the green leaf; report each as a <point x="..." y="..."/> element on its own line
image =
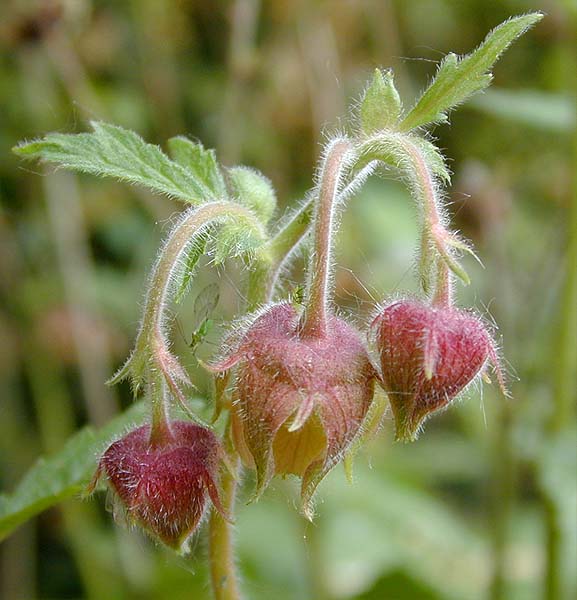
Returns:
<point x="197" y="249"/>
<point x="254" y="191"/>
<point x="64" y="474"/>
<point x="458" y="78"/>
<point x="199" y="161"/>
<point x="116" y="152"/>
<point x="235" y="240"/>
<point x="381" y="104"/>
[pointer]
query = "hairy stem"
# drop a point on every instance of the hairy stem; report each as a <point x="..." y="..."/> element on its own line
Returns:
<point x="297" y="226"/>
<point x="315" y="316"/>
<point x="151" y="359"/>
<point x="443" y="295"/>
<point x="434" y="231"/>
<point x="160" y="430"/>
<point x="223" y="573"/>
<point x="191" y="225"/>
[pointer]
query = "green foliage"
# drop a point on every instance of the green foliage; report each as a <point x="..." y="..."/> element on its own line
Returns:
<point x="254" y="191"/>
<point x="458" y="78"/>
<point x="62" y="475"/>
<point x="392" y="537"/>
<point x="194" y="253"/>
<point x="199" y="161"/>
<point x="381" y="105"/>
<point x="236" y="240"/>
<point x="116" y="152"/>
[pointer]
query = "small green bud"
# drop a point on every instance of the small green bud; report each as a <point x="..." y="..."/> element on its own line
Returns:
<point x="254" y="191"/>
<point x="381" y="105"/>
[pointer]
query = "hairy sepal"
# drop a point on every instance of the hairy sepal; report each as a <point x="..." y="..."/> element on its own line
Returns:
<point x="298" y="403"/>
<point x="381" y="104"/>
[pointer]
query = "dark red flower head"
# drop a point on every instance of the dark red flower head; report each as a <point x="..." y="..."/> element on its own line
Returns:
<point x="428" y="355"/>
<point x="164" y="488"/>
<point x="299" y="401"/>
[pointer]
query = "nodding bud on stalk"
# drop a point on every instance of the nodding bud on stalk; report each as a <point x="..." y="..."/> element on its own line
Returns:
<point x="304" y="385"/>
<point x="299" y="400"/>
<point x="428" y="355"/>
<point x="164" y="487"/>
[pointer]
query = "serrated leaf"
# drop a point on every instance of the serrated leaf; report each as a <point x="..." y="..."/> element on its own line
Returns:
<point x="381" y="104"/>
<point x="197" y="249"/>
<point x="64" y="474"/>
<point x="458" y="78"/>
<point x="194" y="157"/>
<point x="254" y="191"/>
<point x="116" y="152"/>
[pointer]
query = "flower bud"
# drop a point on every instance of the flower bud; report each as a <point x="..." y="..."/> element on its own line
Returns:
<point x="299" y="401"/>
<point x="428" y="355"/>
<point x="164" y="487"/>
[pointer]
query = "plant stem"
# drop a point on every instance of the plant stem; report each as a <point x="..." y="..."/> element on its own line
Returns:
<point x="221" y="544"/>
<point x="443" y="296"/>
<point x="315" y="316"/>
<point x="191" y="225"/>
<point x="244" y="20"/>
<point x="434" y="230"/>
<point x="223" y="574"/>
<point x="160" y="430"/>
<point x="70" y="238"/>
<point x="151" y="358"/>
<point x="297" y="226"/>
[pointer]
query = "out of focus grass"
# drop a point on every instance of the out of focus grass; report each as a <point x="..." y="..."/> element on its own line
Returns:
<point x="483" y="505"/>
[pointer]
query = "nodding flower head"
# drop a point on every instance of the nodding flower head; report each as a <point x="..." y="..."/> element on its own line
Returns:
<point x="428" y="355"/>
<point x="299" y="401"/>
<point x="164" y="487"/>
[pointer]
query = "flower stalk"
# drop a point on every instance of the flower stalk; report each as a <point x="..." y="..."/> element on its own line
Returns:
<point x="315" y="317"/>
<point x="223" y="574"/>
<point x="436" y="238"/>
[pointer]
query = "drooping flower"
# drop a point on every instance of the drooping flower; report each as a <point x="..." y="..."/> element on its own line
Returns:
<point x="428" y="355"/>
<point x="299" y="401"/>
<point x="164" y="487"/>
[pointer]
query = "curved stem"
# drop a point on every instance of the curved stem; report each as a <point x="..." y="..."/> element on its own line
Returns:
<point x="190" y="226"/>
<point x="151" y="359"/>
<point x="314" y="323"/>
<point x="434" y="230"/>
<point x="297" y="226"/>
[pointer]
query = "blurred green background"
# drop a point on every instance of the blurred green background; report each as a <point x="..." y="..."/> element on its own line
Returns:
<point x="484" y="504"/>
